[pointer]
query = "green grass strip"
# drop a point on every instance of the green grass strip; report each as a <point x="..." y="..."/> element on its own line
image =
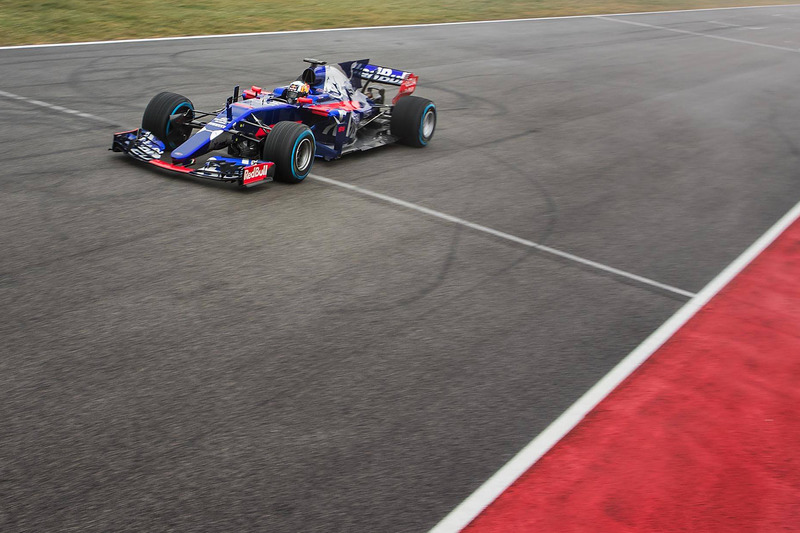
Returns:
<point x="57" y="21"/>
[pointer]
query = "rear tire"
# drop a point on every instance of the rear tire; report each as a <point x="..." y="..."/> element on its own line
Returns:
<point x="157" y="114"/>
<point x="291" y="146"/>
<point x="414" y="120"/>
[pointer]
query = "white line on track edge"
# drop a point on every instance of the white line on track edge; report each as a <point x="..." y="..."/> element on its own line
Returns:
<point x="470" y="508"/>
<point x="399" y="26"/>
<point x="58" y="108"/>
<point x="698" y="34"/>
<point x="506" y="236"/>
<point x="419" y="208"/>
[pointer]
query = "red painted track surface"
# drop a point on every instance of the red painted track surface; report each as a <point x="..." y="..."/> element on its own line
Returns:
<point x="704" y="436"/>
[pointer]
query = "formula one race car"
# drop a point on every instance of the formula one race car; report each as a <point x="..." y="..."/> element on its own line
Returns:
<point x="330" y="111"/>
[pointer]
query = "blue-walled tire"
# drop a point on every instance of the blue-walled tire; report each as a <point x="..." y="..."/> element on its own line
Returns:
<point x="414" y="121"/>
<point x="291" y="146"/>
<point x="156" y="118"/>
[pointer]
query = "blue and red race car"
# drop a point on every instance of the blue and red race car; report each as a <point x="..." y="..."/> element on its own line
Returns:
<point x="330" y="111"/>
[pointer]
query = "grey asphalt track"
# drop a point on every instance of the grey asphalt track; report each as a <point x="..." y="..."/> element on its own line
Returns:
<point x="180" y="355"/>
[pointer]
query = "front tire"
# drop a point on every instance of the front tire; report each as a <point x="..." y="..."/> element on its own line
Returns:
<point x="291" y="146"/>
<point x="414" y="120"/>
<point x="156" y="118"/>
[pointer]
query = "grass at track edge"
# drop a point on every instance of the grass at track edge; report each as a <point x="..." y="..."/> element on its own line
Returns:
<point x="62" y="21"/>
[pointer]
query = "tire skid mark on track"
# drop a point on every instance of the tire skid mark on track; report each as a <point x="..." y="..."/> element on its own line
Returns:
<point x="437" y="214"/>
<point x="86" y="252"/>
<point x="464" y="148"/>
<point x="551" y="213"/>
<point x="525" y="242"/>
<point x="79" y="79"/>
<point x="429" y="288"/>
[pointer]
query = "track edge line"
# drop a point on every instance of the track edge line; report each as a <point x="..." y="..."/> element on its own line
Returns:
<point x="470" y="508"/>
<point x="362" y="28"/>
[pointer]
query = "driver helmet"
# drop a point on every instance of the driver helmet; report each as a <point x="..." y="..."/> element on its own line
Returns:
<point x="295" y="90"/>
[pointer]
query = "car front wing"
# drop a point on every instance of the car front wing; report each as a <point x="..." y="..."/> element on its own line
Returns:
<point x="142" y="145"/>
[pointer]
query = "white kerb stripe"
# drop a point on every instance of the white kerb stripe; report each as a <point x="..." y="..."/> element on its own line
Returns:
<point x="470" y="508"/>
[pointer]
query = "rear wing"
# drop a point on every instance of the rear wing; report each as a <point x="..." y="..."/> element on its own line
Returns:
<point x="362" y="70"/>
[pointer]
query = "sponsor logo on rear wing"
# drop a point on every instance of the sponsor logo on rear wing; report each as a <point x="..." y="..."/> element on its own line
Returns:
<point x="378" y="74"/>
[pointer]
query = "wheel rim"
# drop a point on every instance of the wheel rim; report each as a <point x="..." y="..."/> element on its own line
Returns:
<point x="428" y="123"/>
<point x="303" y="155"/>
<point x="178" y="136"/>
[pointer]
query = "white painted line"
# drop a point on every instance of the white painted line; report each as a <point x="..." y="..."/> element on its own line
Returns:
<point x="736" y="26"/>
<point x="363" y="28"/>
<point x="421" y="209"/>
<point x="470" y="508"/>
<point x="541" y="247"/>
<point x="506" y="236"/>
<point x="697" y="33"/>
<point x="724" y="24"/>
<point x="58" y="108"/>
<point x="409" y="205"/>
